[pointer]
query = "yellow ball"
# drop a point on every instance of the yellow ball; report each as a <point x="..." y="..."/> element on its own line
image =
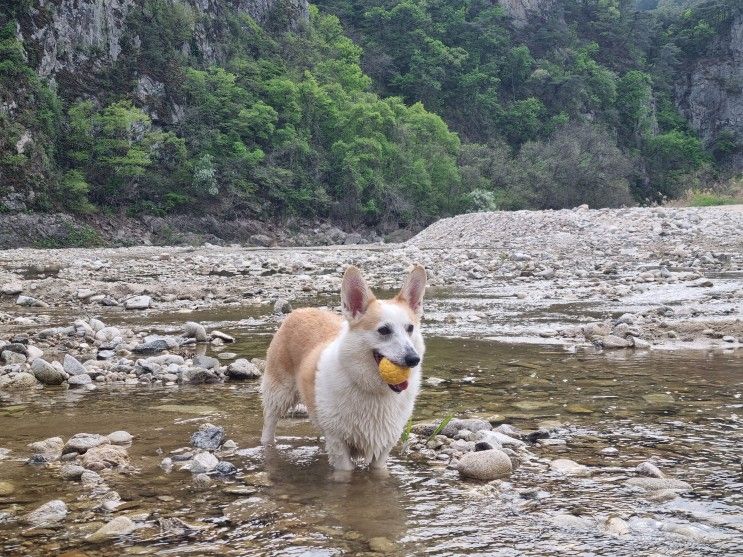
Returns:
<point x="392" y="373"/>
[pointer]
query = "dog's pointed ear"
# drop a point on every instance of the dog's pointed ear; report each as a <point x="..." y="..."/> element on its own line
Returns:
<point x="413" y="289"/>
<point x="355" y="294"/>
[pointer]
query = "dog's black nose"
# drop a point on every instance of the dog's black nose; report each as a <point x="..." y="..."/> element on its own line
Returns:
<point x="412" y="360"/>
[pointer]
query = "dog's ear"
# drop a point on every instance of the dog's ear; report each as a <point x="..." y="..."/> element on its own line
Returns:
<point x="413" y="289"/>
<point x="355" y="294"/>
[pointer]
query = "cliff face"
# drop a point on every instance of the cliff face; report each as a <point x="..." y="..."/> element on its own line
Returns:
<point x="711" y="95"/>
<point x="77" y="35"/>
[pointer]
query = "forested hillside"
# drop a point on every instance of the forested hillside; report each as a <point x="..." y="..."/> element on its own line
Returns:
<point x="393" y="112"/>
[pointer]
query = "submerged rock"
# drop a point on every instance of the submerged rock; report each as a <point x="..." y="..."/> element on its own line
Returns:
<point x="569" y="467"/>
<point x="655" y="484"/>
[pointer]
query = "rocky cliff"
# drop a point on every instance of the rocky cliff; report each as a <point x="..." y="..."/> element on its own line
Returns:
<point x="711" y="93"/>
<point x="77" y="35"/>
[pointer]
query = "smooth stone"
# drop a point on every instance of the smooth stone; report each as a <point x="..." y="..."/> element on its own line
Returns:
<point x="72" y="365"/>
<point x="569" y="467"/>
<point x="47" y="514"/>
<point x="222" y="336"/>
<point x="82" y="442"/>
<point x="51" y="447"/>
<point x="572" y="522"/>
<point x="138" y="302"/>
<point x="79" y="380"/>
<point x="282" y="306"/>
<point x="28" y="301"/>
<point x="46" y="373"/>
<point x="242" y="369"/>
<point x="120" y="437"/>
<point x="71" y="472"/>
<point x="485" y="465"/>
<point x="202" y="462"/>
<point x="649" y="470"/>
<point x="194" y="330"/>
<point x="115" y="528"/>
<point x="496" y="438"/>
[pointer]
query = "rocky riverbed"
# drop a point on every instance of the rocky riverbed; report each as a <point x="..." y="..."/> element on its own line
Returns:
<point x="557" y="345"/>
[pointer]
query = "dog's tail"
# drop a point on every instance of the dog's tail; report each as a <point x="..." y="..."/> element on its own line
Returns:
<point x="278" y="394"/>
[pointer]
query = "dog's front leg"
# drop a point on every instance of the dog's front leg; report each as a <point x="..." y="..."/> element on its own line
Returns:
<point x="338" y="453"/>
<point x="379" y="462"/>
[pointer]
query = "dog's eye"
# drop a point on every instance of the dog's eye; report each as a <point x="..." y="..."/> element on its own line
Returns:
<point x="384" y="331"/>
<point x="409" y="329"/>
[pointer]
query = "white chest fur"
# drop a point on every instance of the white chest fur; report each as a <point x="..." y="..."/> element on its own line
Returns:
<point x="368" y="417"/>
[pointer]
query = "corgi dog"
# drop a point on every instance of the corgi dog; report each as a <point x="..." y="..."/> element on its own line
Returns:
<point x="331" y="364"/>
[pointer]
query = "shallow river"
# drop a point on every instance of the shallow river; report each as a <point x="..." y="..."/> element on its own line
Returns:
<point x="680" y="409"/>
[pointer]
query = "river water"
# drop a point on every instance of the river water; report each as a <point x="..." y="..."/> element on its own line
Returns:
<point x="679" y="409"/>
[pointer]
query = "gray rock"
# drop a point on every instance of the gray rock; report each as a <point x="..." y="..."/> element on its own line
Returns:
<point x="115" y="528"/>
<point x="649" y="470"/>
<point x="47" y="514"/>
<point x="46" y="373"/>
<point x="12" y="358"/>
<point x="282" y="305"/>
<point x="21" y="382"/>
<point x="208" y="437"/>
<point x="138" y="302"/>
<point x="51" y="448"/>
<point x="71" y="472"/>
<point x="82" y="442"/>
<point x="242" y="369"/>
<point x="198" y="375"/>
<point x="33" y="353"/>
<point x="79" y="380"/>
<point x="224" y="468"/>
<point x="656" y="484"/>
<point x="28" y="301"/>
<point x="497" y="439"/>
<point x="207" y="362"/>
<point x="120" y="437"/>
<point x="72" y="365"/>
<point x="202" y="462"/>
<point x="485" y="465"/>
<point x="572" y="522"/>
<point x="11" y="288"/>
<point x="569" y="467"/>
<point x="613" y="341"/>
<point x="196" y="331"/>
<point x="151" y="347"/>
<point x="222" y="336"/>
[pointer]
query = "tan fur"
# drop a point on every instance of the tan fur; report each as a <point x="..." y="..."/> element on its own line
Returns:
<point x="297" y="345"/>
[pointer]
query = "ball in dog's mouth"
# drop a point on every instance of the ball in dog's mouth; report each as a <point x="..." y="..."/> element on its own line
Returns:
<point x="396" y="376"/>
